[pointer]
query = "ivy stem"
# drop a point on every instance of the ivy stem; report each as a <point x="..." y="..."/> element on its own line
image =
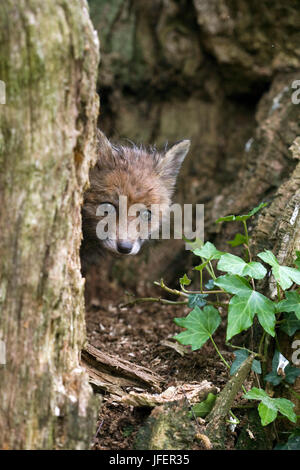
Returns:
<point x="217" y="349"/>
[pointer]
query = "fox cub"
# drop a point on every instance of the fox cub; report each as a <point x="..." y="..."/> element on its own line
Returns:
<point x="144" y="177"/>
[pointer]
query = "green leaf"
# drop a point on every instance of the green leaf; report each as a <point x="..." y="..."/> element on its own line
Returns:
<point x="242" y="218"/>
<point x="258" y="208"/>
<point x="284" y="275"/>
<point x="233" y="284"/>
<point x="293" y="443"/>
<point x="291" y="324"/>
<point x="241" y="355"/>
<point x="267" y="413"/>
<point x="239" y="239"/>
<point x="208" y="251"/>
<point x="236" y="265"/>
<point x="286" y="408"/>
<point x="273" y="378"/>
<point x="227" y="218"/>
<point x="291" y="303"/>
<point x="256" y="366"/>
<point x="200" y="325"/>
<point x="291" y="374"/>
<point x="202" y="409"/>
<point x="269" y="407"/>
<point x="197" y="300"/>
<point x="256" y="394"/>
<point x="242" y="309"/>
<point x="184" y="281"/>
<point x="200" y="267"/>
<point x="268" y="257"/>
<point x="192" y="245"/>
<point x="210" y="284"/>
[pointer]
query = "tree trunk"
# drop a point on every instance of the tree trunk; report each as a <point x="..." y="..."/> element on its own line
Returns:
<point x="48" y="60"/>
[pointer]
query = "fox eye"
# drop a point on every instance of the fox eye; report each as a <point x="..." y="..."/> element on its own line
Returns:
<point x="107" y="208"/>
<point x="145" y="214"/>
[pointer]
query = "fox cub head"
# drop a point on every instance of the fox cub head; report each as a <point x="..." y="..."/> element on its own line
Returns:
<point x="138" y="177"/>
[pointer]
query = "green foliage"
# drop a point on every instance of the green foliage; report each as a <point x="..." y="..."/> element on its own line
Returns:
<point x="290" y="373"/>
<point x="269" y="407"/>
<point x="284" y="275"/>
<point x="197" y="300"/>
<point x="240" y="356"/>
<point x="239" y="239"/>
<point x="242" y="305"/>
<point x="293" y="442"/>
<point x="200" y="326"/>
<point x="242" y="218"/>
<point x="200" y="410"/>
<point x="235" y="265"/>
<point x="184" y="281"/>
<point x="208" y="251"/>
<point x="291" y="303"/>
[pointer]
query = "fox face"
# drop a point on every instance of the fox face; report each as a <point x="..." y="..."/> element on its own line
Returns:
<point x="126" y="178"/>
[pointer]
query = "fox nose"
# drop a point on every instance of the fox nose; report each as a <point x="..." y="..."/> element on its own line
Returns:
<point x="124" y="246"/>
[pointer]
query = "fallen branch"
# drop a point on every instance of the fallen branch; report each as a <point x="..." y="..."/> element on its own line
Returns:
<point x="216" y="427"/>
<point x="113" y="374"/>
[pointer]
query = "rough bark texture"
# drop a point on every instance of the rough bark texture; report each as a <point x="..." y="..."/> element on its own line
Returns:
<point x="48" y="59"/>
<point x="218" y="72"/>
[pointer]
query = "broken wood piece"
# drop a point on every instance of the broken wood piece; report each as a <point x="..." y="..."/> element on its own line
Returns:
<point x="193" y="393"/>
<point x="216" y="428"/>
<point x="113" y="374"/>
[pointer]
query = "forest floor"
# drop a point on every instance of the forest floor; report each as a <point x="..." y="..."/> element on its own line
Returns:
<point x="136" y="333"/>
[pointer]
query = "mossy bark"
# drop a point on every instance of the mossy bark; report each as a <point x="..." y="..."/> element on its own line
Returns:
<point x="48" y="60"/>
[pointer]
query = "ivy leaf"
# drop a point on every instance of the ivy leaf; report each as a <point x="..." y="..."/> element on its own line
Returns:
<point x="293" y="443"/>
<point x="242" y="309"/>
<point x="290" y="373"/>
<point x="256" y="394"/>
<point x="210" y="284"/>
<point x="286" y="408"/>
<point x="267" y="412"/>
<point x="269" y="407"/>
<point x="240" y="356"/>
<point x="192" y="245"/>
<point x="233" y="284"/>
<point x="202" y="409"/>
<point x="239" y="239"/>
<point x="184" y="281"/>
<point x="284" y="275"/>
<point x="242" y="218"/>
<point x="200" y="325"/>
<point x="291" y="303"/>
<point x="200" y="267"/>
<point x="273" y="378"/>
<point x="256" y="366"/>
<point x="257" y="208"/>
<point x="227" y="218"/>
<point x="291" y="324"/>
<point x="236" y="265"/>
<point x="208" y="251"/>
<point x="197" y="300"/>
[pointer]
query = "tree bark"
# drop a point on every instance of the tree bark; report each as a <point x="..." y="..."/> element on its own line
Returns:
<point x="48" y="60"/>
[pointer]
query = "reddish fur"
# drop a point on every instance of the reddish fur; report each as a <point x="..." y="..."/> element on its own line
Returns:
<point x="127" y="171"/>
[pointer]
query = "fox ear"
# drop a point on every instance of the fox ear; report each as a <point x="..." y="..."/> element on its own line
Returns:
<point x="169" y="165"/>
